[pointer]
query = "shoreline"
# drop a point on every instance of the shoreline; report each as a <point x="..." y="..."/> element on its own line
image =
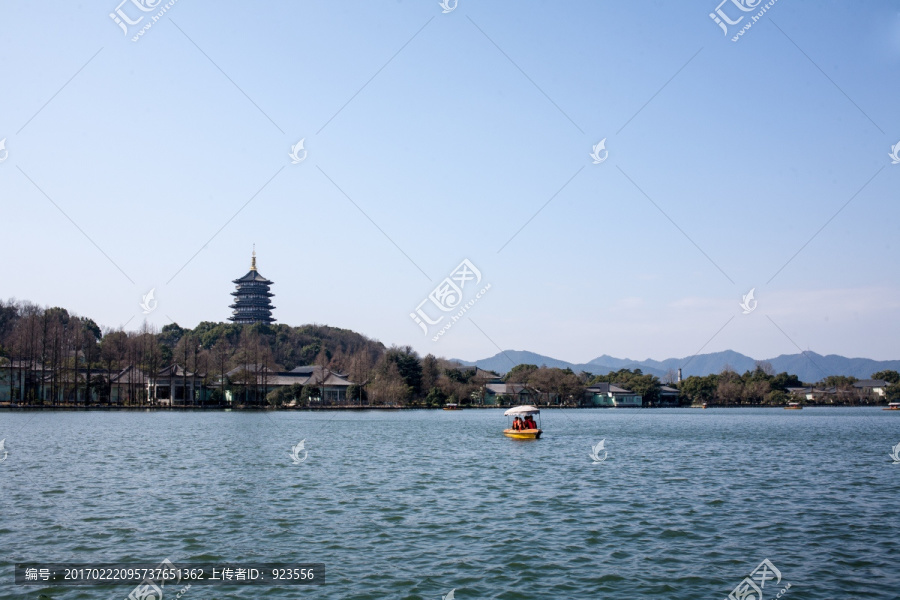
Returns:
<point x="28" y="408"/>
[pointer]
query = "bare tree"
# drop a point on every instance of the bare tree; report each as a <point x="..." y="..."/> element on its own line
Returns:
<point x="322" y="363"/>
<point x="766" y="367"/>
<point x="360" y="369"/>
<point x="151" y="358"/>
<point x="184" y="351"/>
<point x="671" y="376"/>
<point x="221" y="354"/>
<point x="388" y="387"/>
<point x="113" y="350"/>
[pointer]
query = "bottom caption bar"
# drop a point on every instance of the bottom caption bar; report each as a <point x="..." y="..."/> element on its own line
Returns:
<point x="162" y="574"/>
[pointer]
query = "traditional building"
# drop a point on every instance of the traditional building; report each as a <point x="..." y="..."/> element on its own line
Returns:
<point x="610" y="395"/>
<point x="252" y="298"/>
<point x="668" y="396"/>
<point x="176" y="386"/>
<point x="872" y="388"/>
<point x="814" y="394"/>
<point x="251" y="383"/>
<point x="507" y="394"/>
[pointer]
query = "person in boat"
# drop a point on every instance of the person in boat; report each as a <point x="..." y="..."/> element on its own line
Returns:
<point x="529" y="422"/>
<point x="518" y="425"/>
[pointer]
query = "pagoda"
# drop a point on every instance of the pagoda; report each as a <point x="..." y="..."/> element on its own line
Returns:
<point x="252" y="298"/>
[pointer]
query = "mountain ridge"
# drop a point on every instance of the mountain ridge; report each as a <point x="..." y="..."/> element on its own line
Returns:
<point x="808" y="366"/>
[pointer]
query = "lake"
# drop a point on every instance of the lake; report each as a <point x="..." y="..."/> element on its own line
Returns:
<point x="414" y="504"/>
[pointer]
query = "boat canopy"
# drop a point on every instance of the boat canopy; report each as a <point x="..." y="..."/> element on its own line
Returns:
<point x="522" y="410"/>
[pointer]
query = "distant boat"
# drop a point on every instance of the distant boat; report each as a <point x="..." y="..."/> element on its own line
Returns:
<point x="517" y="412"/>
<point x="452" y="406"/>
<point x="793" y="406"/>
<point x="892" y="406"/>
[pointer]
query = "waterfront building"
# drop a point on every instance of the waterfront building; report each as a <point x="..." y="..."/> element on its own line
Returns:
<point x="478" y="375"/>
<point x="128" y="386"/>
<point x="250" y="383"/>
<point x="668" y="396"/>
<point x="611" y="395"/>
<point x="814" y="394"/>
<point x="176" y="386"/>
<point x="874" y="389"/>
<point x="507" y="394"/>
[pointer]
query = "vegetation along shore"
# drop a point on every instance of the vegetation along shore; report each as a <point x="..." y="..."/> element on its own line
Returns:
<point x="52" y="358"/>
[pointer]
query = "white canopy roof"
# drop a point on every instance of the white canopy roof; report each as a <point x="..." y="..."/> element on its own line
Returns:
<point x="522" y="410"/>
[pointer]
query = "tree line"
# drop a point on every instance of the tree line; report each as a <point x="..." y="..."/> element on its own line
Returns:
<point x="53" y="354"/>
<point x="762" y="386"/>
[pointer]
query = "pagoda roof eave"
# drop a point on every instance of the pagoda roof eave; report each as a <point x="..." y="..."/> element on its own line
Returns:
<point x="252" y="277"/>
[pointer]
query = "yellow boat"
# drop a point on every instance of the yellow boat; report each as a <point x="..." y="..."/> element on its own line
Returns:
<point x="793" y="406"/>
<point x="892" y="406"/>
<point x="452" y="406"/>
<point x="523" y="434"/>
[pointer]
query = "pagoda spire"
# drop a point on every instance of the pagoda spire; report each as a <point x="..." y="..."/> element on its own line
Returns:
<point x="253" y="260"/>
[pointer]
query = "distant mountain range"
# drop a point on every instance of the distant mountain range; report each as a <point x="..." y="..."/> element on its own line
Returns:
<point x="809" y="366"/>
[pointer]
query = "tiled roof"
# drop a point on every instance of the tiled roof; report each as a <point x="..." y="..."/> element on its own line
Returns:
<point x="128" y="375"/>
<point x="306" y="375"/>
<point x="176" y="370"/>
<point x="871" y="383"/>
<point x="506" y="388"/>
<point x="310" y="369"/>
<point x="606" y="388"/>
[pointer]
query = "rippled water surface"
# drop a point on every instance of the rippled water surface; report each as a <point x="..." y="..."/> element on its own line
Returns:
<point x="413" y="504"/>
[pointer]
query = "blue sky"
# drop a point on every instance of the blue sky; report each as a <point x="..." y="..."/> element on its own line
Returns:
<point x="434" y="138"/>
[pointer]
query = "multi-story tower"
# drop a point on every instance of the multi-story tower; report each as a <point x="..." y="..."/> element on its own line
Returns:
<point x="252" y="298"/>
